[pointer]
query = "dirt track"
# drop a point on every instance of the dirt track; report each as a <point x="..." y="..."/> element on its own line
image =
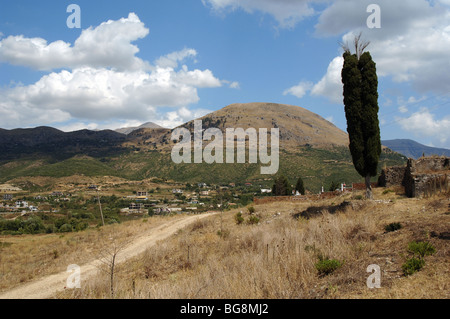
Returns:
<point x="47" y="287"/>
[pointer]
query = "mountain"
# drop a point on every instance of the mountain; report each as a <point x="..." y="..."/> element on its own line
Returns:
<point x="297" y="125"/>
<point x="128" y="130"/>
<point x="310" y="147"/>
<point x="412" y="149"/>
<point x="50" y="142"/>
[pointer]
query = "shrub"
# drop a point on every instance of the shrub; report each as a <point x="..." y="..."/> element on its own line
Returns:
<point x="392" y="227"/>
<point x="421" y="248"/>
<point x="251" y="210"/>
<point x="412" y="265"/>
<point x="327" y="266"/>
<point x="224" y="233"/>
<point x="238" y="218"/>
<point x="66" y="228"/>
<point x="253" y="220"/>
<point x="81" y="226"/>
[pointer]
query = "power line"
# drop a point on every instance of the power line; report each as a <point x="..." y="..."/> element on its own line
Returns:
<point x="401" y="119"/>
<point x="417" y="103"/>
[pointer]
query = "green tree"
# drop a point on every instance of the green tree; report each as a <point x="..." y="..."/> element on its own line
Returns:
<point x="281" y="186"/>
<point x="334" y="186"/>
<point x="300" y="187"/>
<point x="360" y="80"/>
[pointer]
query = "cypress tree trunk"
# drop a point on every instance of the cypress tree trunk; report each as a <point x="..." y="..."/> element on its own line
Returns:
<point x="369" y="194"/>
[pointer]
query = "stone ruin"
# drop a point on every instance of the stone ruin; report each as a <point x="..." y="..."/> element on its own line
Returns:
<point x="424" y="177"/>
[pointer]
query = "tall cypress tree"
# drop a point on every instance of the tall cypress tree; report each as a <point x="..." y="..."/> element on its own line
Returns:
<point x="300" y="186"/>
<point x="359" y="76"/>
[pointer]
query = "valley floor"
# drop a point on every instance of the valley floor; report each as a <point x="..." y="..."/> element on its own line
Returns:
<point x="276" y="257"/>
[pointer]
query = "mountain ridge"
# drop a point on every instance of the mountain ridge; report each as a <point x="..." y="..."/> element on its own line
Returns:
<point x="413" y="149"/>
<point x="128" y="130"/>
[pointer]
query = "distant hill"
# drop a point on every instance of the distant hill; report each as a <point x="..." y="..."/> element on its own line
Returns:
<point x="310" y="147"/>
<point x="52" y="143"/>
<point x="412" y="149"/>
<point x="128" y="130"/>
<point x="298" y="126"/>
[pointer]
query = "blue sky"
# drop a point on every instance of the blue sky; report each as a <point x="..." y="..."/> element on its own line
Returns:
<point x="171" y="61"/>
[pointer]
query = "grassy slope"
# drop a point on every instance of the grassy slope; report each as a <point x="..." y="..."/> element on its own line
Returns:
<point x="318" y="167"/>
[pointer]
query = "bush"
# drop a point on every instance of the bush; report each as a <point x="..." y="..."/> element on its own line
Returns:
<point x="66" y="228"/>
<point x="412" y="265"/>
<point x="392" y="227"/>
<point x="252" y="220"/>
<point x="238" y="218"/>
<point x="416" y="263"/>
<point x="251" y="210"/>
<point x="81" y="226"/>
<point x="327" y="266"/>
<point x="422" y="248"/>
<point x="33" y="225"/>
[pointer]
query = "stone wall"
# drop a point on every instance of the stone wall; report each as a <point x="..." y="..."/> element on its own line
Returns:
<point x="392" y="176"/>
<point x="427" y="176"/>
<point x="424" y="177"/>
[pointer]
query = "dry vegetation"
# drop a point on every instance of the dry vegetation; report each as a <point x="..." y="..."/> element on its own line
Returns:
<point x="216" y="258"/>
<point x="30" y="257"/>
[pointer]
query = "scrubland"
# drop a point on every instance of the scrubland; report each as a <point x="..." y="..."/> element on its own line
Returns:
<point x="288" y="252"/>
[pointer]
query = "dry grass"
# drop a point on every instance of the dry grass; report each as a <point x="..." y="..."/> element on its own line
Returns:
<point x="29" y="257"/>
<point x="276" y="258"/>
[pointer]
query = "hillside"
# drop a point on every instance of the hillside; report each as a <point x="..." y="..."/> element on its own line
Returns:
<point x="47" y="142"/>
<point x="412" y="149"/>
<point x="310" y="147"/>
<point x="128" y="130"/>
<point x="297" y="125"/>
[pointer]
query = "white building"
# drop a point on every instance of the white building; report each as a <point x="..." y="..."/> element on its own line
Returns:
<point x="21" y="204"/>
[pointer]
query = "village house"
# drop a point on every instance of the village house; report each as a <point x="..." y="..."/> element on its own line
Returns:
<point x="136" y="206"/>
<point x="161" y="210"/>
<point x="8" y="197"/>
<point x="21" y="204"/>
<point x="142" y="194"/>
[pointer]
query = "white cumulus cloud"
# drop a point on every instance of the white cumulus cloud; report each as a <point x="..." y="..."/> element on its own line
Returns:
<point x="286" y="12"/>
<point x="101" y="79"/>
<point x="108" y="45"/>
<point x="423" y="123"/>
<point x="299" y="90"/>
<point x="411" y="47"/>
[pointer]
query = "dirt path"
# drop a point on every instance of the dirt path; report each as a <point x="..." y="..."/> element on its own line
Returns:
<point x="47" y="287"/>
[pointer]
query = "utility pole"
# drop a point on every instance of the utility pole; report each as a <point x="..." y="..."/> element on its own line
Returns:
<point x="100" y="205"/>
